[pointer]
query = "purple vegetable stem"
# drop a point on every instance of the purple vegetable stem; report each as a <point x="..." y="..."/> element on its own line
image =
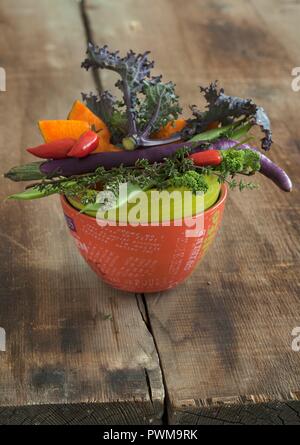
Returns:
<point x="108" y="160"/>
<point x="268" y="168"/>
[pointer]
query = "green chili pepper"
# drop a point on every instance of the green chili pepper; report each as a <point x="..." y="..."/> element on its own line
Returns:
<point x="31" y="193"/>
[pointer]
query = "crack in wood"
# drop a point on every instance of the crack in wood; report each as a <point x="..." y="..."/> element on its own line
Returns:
<point x="205" y="416"/>
<point x="140" y="299"/>
<point x="264" y="51"/>
<point x="148" y="381"/>
<point x="143" y="309"/>
<point x="90" y="39"/>
<point x="293" y="409"/>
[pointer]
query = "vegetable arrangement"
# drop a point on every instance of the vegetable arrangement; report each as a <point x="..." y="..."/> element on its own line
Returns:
<point x="143" y="139"/>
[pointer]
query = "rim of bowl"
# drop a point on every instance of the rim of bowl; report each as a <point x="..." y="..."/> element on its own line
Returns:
<point x="221" y="199"/>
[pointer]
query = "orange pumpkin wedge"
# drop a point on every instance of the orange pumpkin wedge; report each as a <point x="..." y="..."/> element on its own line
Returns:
<point x="60" y="129"/>
<point x="170" y="129"/>
<point x="81" y="112"/>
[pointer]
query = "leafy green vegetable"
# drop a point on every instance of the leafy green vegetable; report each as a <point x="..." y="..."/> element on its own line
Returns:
<point x="133" y="70"/>
<point x="176" y="171"/>
<point x="226" y="110"/>
<point x="148" y="104"/>
<point x="169" y="106"/>
<point x="118" y="126"/>
<point x="191" y="180"/>
<point x="143" y="115"/>
<point x="102" y="105"/>
<point x="240" y="161"/>
<point x="111" y="111"/>
<point x="245" y="162"/>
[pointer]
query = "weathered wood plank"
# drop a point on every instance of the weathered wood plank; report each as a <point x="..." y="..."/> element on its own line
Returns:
<point x="70" y="338"/>
<point x="224" y="337"/>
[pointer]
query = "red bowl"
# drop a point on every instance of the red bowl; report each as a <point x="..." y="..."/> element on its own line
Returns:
<point x="143" y="258"/>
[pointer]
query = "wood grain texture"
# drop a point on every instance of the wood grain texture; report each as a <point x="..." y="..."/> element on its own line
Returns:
<point x="70" y="338"/>
<point x="81" y="352"/>
<point x="224" y="337"/>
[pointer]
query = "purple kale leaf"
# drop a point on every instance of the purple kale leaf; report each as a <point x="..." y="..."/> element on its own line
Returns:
<point x="160" y="103"/>
<point x="106" y="106"/>
<point x="227" y="110"/>
<point x="133" y="69"/>
<point x="103" y="105"/>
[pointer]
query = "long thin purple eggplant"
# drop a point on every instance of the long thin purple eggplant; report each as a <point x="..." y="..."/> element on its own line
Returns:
<point x="108" y="160"/>
<point x="69" y="167"/>
<point x="73" y="166"/>
<point x="268" y="168"/>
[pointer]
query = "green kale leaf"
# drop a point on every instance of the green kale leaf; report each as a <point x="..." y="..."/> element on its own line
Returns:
<point x="169" y="105"/>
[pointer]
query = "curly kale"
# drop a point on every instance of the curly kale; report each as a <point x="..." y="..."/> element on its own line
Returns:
<point x="191" y="180"/>
<point x="169" y="105"/>
<point x="103" y="105"/>
<point x="240" y="161"/>
<point x="109" y="109"/>
<point x="244" y="162"/>
<point x="133" y="70"/>
<point x="148" y="104"/>
<point x="143" y="116"/>
<point x="226" y="110"/>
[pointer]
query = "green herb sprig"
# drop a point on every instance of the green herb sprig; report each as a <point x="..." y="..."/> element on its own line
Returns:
<point x="176" y="171"/>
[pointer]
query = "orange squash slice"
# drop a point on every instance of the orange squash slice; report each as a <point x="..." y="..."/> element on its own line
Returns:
<point x="170" y="129"/>
<point x="81" y="112"/>
<point x="60" y="129"/>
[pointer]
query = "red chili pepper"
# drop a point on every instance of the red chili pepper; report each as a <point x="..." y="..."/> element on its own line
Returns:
<point x="87" y="143"/>
<point x="207" y="157"/>
<point x="53" y="150"/>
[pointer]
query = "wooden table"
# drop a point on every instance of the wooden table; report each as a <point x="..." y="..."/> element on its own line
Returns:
<point x="218" y="349"/>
